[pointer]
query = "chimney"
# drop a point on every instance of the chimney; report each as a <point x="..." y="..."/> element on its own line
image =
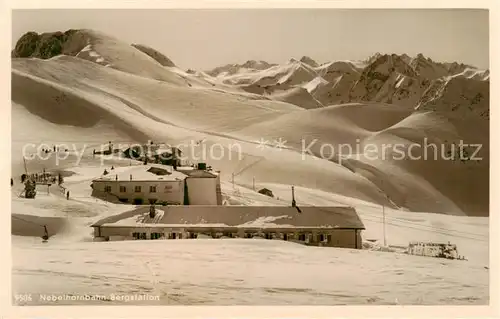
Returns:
<point x="294" y="204"/>
<point x="174" y="158"/>
<point x="130" y="176"/>
<point x="218" y="191"/>
<point x="152" y="211"/>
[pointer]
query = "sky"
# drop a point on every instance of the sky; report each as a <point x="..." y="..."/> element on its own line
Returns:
<point x="206" y="38"/>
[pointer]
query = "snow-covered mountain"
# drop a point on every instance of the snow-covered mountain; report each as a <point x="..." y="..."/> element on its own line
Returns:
<point x="82" y="88"/>
<point x="387" y="78"/>
<point x="248" y="66"/>
<point x="307" y="60"/>
<point x="89" y="80"/>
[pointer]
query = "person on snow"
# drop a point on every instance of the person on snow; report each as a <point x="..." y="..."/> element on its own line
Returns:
<point x="46" y="233"/>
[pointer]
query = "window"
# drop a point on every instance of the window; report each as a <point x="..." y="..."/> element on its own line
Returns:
<point x="168" y="188"/>
<point x="172" y="236"/>
<point x="302" y="237"/>
<point x="137" y="189"/>
<point x="139" y="235"/>
<point x="152" y="189"/>
<point x="193" y="235"/>
<point x="107" y="189"/>
<point x="156" y="235"/>
<point x="123" y="189"/>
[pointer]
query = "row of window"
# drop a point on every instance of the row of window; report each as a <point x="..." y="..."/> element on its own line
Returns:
<point x="160" y="235"/>
<point x="138" y="189"/>
<point x="301" y="237"/>
<point x="152" y="235"/>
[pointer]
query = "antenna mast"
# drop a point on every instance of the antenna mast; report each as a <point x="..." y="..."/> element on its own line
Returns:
<point x="383" y="213"/>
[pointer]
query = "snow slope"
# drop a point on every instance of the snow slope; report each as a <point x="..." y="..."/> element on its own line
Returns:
<point x="111" y="91"/>
<point x="246" y="272"/>
<point x="298" y="96"/>
<point x="72" y="91"/>
<point x="217" y="272"/>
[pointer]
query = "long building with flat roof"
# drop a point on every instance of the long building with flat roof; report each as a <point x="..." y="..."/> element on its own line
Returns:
<point x="311" y="225"/>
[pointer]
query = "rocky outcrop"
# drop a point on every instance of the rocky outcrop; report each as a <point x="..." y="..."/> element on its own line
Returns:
<point x="457" y="96"/>
<point x="375" y="75"/>
<point x="47" y="45"/>
<point x="307" y="60"/>
<point x="157" y="56"/>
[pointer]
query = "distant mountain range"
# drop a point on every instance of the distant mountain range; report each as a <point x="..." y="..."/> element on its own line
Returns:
<point x="416" y="82"/>
<point x="84" y="85"/>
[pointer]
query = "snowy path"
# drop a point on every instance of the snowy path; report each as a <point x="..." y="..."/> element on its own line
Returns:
<point x="242" y="272"/>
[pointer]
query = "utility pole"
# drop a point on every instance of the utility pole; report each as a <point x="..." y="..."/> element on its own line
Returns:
<point x="25" y="168"/>
<point x="383" y="214"/>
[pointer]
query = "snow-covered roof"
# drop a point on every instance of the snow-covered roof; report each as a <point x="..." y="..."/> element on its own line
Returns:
<point x="241" y="216"/>
<point x="162" y="150"/>
<point x="199" y="173"/>
<point x="142" y="173"/>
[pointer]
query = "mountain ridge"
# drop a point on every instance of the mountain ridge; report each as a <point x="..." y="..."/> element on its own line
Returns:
<point x="385" y="101"/>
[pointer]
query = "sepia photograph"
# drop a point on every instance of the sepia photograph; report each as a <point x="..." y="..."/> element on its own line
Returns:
<point x="250" y="157"/>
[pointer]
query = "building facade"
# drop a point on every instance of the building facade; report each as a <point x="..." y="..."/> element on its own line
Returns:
<point x="315" y="226"/>
<point x="139" y="192"/>
<point x="342" y="238"/>
<point x="203" y="187"/>
<point x="154" y="183"/>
